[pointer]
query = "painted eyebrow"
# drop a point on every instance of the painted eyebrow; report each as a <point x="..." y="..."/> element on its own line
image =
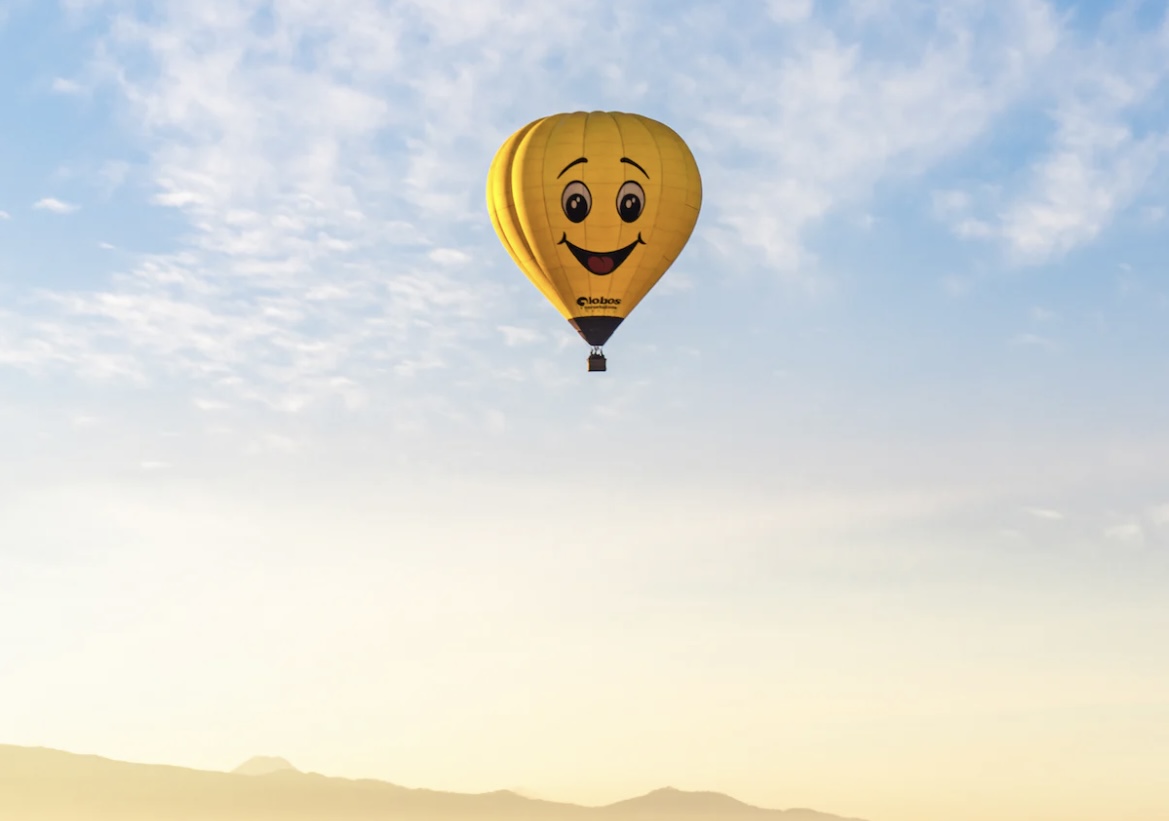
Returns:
<point x="571" y="164"/>
<point x="635" y="165"/>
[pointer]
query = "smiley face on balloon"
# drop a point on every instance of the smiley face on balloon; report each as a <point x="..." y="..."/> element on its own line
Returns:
<point x="594" y="208"/>
<point x="576" y="201"/>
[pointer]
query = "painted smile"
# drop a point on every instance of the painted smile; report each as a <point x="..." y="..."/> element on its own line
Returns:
<point x="601" y="264"/>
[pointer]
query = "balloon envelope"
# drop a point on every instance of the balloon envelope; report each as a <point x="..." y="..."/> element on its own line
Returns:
<point x="594" y="207"/>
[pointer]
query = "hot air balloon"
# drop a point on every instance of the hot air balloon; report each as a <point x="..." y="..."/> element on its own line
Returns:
<point x="594" y="207"/>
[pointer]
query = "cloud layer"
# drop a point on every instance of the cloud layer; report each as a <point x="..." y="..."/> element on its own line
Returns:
<point x="327" y="163"/>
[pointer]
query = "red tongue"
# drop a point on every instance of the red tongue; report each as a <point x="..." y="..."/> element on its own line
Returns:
<point x="600" y="265"/>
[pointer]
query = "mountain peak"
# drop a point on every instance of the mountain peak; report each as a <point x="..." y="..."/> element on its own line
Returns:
<point x="263" y="765"/>
<point x="673" y="800"/>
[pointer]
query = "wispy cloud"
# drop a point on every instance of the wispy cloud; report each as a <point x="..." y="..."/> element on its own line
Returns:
<point x="54" y="205"/>
<point x="854" y="111"/>
<point x="327" y="164"/>
<point x="1098" y="161"/>
<point x="789" y="11"/>
<point x="113" y="174"/>
<point x="1044" y="513"/>
<point x="62" y="85"/>
<point x="513" y="336"/>
<point x="1096" y="168"/>
<point x="955" y="285"/>
<point x="1130" y="533"/>
<point x="272" y="442"/>
<point x="307" y="261"/>
<point x="449" y="256"/>
<point x="1154" y="214"/>
<point x="1034" y="341"/>
<point x="211" y="405"/>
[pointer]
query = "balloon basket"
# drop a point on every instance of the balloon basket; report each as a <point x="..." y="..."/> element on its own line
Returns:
<point x="596" y="361"/>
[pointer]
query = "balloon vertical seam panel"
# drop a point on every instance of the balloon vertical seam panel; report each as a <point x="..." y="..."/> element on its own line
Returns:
<point x="520" y="184"/>
<point x="502" y="199"/>
<point x="528" y="186"/>
<point x="639" y="146"/>
<point x="538" y="269"/>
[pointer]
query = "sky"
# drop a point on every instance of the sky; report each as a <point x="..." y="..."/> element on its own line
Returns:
<point x="869" y="514"/>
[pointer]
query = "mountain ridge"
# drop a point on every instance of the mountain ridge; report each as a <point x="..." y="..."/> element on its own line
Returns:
<point x="44" y="784"/>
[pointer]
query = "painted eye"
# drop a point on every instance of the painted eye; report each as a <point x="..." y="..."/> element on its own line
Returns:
<point x="630" y="201"/>
<point x="576" y="201"/>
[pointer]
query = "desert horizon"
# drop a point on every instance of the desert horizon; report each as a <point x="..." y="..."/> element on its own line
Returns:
<point x="42" y="783"/>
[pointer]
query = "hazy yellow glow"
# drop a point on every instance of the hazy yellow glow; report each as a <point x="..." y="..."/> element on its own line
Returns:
<point x="460" y="645"/>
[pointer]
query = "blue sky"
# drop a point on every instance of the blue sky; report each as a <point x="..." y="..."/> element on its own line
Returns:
<point x="899" y="407"/>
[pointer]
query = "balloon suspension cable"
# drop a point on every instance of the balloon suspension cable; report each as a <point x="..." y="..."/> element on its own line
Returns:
<point x="597" y="359"/>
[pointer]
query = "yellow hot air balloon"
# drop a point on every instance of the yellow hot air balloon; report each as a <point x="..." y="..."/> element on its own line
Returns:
<point x="594" y="207"/>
